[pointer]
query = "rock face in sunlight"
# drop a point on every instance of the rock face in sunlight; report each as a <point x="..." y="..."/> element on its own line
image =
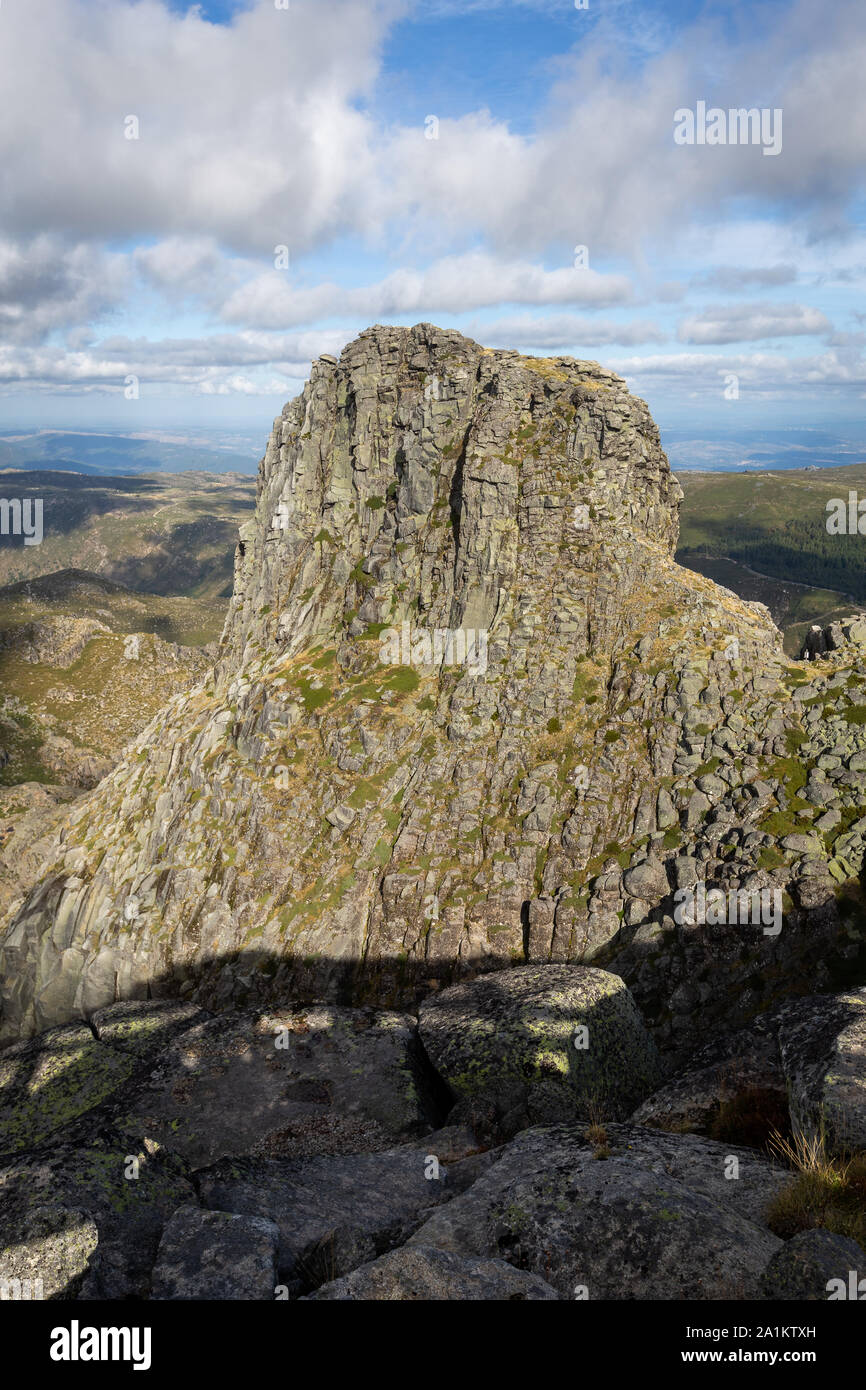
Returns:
<point x="468" y="713"/>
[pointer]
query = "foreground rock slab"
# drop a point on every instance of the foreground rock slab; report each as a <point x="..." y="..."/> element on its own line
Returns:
<point x="318" y="1080"/>
<point x="48" y="1082"/>
<point x="92" y="1177"/>
<point x="44" y="1251"/>
<point x="335" y="1213"/>
<point x="615" y="1226"/>
<point x="216" y="1255"/>
<point x="142" y="1027"/>
<point x="746" y="1060"/>
<point x="428" y="1275"/>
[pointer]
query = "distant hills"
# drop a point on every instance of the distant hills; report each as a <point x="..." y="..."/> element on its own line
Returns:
<point x="111" y="453"/>
<point x="167" y="534"/>
<point x="761" y="533"/>
<point x="235" y="451"/>
<point x="775" y="523"/>
<point x="753" y="449"/>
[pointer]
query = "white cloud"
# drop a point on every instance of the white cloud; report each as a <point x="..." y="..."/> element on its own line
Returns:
<point x="208" y="365"/>
<point x="760" y="374"/>
<point x="452" y="285"/>
<point x="266" y="133"/>
<point x="736" y="323"/>
<point x="733" y="278"/>
<point x="562" y="331"/>
<point x="255" y="133"/>
<point x="248" y="133"/>
<point x="47" y="286"/>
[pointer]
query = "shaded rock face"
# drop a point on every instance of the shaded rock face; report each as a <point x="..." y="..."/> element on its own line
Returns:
<point x="806" y="1059"/>
<point x="353" y="808"/>
<point x="215" y="1255"/>
<point x="335" y="1212"/>
<point x="822" y="1042"/>
<point x="807" y="1265"/>
<point x="319" y="1080"/>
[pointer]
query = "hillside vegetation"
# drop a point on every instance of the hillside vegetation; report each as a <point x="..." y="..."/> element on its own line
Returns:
<point x="161" y="534"/>
<point x="775" y="523"/>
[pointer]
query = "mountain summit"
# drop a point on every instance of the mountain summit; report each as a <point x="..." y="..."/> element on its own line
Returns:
<point x="468" y="712"/>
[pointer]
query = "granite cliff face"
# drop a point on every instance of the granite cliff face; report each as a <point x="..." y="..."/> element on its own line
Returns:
<point x="352" y="808"/>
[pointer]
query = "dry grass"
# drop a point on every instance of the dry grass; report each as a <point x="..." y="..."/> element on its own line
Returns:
<point x="827" y="1191"/>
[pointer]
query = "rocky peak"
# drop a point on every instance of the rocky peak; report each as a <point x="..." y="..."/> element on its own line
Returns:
<point x="468" y="713"/>
<point x="425" y="478"/>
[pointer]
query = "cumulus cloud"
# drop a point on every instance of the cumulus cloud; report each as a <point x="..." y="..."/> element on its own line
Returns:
<point x="267" y="132"/>
<point x="562" y="331"/>
<point x="451" y="285"/>
<point x="760" y="374"/>
<point x="736" y="323"/>
<point x="263" y="132"/>
<point x="208" y="365"/>
<point x="603" y="169"/>
<point x="47" y="286"/>
<point x="248" y="132"/>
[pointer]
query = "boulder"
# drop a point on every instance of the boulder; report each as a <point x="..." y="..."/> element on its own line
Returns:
<point x="822" y="1041"/>
<point x="647" y="880"/>
<point x="541" y="1043"/>
<point x="805" y="1265"/>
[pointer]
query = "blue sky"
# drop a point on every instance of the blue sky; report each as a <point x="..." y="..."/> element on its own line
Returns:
<point x="153" y="257"/>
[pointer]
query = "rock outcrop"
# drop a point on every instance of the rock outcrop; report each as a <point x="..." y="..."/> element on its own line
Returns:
<point x="468" y="713"/>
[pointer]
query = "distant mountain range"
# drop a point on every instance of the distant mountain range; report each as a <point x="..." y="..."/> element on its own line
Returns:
<point x="233" y="451"/>
<point x="731" y="451"/>
<point x="145" y="452"/>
